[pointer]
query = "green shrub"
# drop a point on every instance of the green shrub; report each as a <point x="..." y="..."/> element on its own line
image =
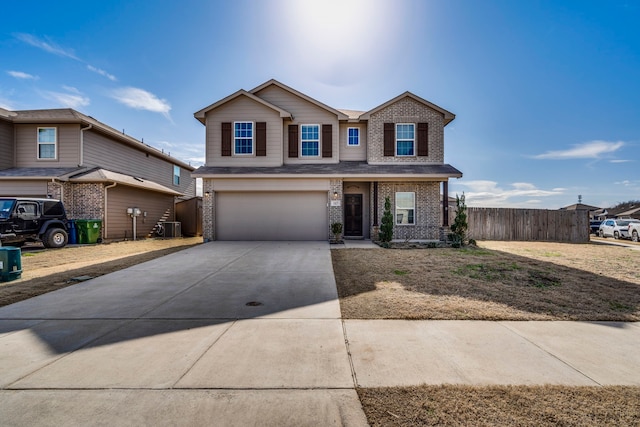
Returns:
<point x="386" y="227"/>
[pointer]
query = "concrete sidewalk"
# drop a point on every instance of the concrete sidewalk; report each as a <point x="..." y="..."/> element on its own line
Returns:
<point x="232" y="333"/>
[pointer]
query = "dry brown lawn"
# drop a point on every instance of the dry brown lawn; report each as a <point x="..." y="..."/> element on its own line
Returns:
<point x="46" y="270"/>
<point x="495" y="281"/>
<point x="457" y="405"/>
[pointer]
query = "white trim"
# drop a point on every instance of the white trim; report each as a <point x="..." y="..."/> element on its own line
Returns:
<point x="413" y="208"/>
<point x="173" y="180"/>
<point x="302" y="156"/>
<point x="253" y="139"/>
<point x="414" y="140"/>
<point x="55" y="143"/>
<point x="353" y="145"/>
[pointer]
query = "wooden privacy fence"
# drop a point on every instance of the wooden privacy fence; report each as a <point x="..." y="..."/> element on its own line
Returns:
<point x="528" y="225"/>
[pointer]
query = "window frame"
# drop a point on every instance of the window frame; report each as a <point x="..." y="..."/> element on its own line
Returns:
<point x="413" y="209"/>
<point x="413" y="140"/>
<point x="176" y="176"/>
<point x="41" y="143"/>
<point x="317" y="141"/>
<point x="357" y="137"/>
<point x="236" y="138"/>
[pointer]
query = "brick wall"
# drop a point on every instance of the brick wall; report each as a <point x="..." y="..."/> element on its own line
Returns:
<point x="427" y="209"/>
<point x="208" y="211"/>
<point x="336" y="213"/>
<point x="83" y="201"/>
<point x="406" y="110"/>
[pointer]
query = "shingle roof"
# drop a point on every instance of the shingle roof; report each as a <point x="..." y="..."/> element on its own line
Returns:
<point x="103" y="175"/>
<point x="342" y="169"/>
<point x="38" y="173"/>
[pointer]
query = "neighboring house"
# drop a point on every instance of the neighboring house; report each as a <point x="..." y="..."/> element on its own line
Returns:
<point x="281" y="165"/>
<point x="96" y="170"/>
<point x="594" y="211"/>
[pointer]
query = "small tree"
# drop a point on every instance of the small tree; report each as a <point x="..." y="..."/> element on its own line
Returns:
<point x="460" y="226"/>
<point x="386" y="227"/>
<point x="336" y="229"/>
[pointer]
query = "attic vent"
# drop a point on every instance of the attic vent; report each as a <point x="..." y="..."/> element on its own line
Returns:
<point x="138" y="179"/>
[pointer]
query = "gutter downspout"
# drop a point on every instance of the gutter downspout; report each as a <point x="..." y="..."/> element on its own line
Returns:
<point x="106" y="208"/>
<point x="53" y="181"/>
<point x="82" y="144"/>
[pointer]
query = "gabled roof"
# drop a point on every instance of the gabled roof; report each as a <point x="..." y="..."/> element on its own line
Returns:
<point x="68" y="115"/>
<point x="201" y="115"/>
<point x="629" y="212"/>
<point x="104" y="175"/>
<point x="340" y="114"/>
<point x="580" y="207"/>
<point x="448" y="116"/>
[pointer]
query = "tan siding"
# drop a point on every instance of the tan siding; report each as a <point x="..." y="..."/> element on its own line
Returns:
<point x="304" y="112"/>
<point x="351" y="153"/>
<point x="243" y="109"/>
<point x="23" y="188"/>
<point x="67" y="146"/>
<point x="101" y="151"/>
<point x="120" y="224"/>
<point x="6" y="145"/>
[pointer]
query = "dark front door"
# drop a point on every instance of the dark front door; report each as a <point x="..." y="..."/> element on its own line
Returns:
<point x="353" y="215"/>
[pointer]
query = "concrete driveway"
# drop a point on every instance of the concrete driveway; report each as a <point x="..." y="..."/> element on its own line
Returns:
<point x="226" y="333"/>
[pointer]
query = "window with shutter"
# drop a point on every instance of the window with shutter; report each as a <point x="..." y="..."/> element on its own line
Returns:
<point x="293" y="140"/>
<point x="327" y="141"/>
<point x="423" y="139"/>
<point x="226" y="139"/>
<point x="389" y="139"/>
<point x="261" y="139"/>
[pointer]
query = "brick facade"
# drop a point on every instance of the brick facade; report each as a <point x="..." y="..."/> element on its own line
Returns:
<point x="208" y="211"/>
<point x="336" y="213"/>
<point x="84" y="201"/>
<point x="427" y="209"/>
<point x="406" y="110"/>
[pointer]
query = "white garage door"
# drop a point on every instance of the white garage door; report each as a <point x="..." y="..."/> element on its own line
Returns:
<point x="271" y="216"/>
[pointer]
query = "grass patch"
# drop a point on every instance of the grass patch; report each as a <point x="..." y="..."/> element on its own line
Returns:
<point x="517" y="282"/>
<point x="454" y="405"/>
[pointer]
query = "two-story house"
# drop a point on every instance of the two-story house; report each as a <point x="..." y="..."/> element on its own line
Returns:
<point x="97" y="171"/>
<point x="281" y="165"/>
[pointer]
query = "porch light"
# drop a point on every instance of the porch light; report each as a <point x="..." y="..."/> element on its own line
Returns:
<point x="335" y="195"/>
<point x="207" y="194"/>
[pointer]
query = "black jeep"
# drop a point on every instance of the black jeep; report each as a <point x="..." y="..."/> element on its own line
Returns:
<point x="31" y="220"/>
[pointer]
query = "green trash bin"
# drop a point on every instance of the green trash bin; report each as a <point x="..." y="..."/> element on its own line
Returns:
<point x="10" y="263"/>
<point x="88" y="230"/>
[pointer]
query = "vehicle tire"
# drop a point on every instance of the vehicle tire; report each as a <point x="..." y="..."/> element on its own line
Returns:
<point x="616" y="235"/>
<point x="55" y="238"/>
<point x="634" y="236"/>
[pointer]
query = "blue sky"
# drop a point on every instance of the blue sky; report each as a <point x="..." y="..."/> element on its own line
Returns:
<point x="546" y="93"/>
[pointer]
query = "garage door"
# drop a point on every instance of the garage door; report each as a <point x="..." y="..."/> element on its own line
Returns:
<point x="271" y="216"/>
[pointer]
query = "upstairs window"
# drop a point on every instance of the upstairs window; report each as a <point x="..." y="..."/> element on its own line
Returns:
<point x="176" y="175"/>
<point x="353" y="137"/>
<point x="310" y="140"/>
<point x="405" y="139"/>
<point x="243" y="138"/>
<point x="405" y="208"/>
<point x="47" y="141"/>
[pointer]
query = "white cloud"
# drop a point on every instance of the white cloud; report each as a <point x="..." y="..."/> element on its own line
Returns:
<point x="72" y="99"/>
<point x="489" y="194"/>
<point x="46" y="45"/>
<point x="587" y="150"/>
<point x="22" y="75"/>
<point x="140" y="99"/>
<point x="102" y="72"/>
<point x="621" y="161"/>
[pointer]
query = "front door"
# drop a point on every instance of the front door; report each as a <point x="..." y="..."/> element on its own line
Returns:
<point x="353" y="215"/>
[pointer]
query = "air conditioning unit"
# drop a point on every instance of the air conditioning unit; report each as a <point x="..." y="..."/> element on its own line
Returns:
<point x="172" y="229"/>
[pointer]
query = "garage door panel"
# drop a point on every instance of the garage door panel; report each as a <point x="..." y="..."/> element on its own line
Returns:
<point x="271" y="216"/>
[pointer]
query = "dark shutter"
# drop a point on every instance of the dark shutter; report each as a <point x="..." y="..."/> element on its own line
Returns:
<point x="327" y="141"/>
<point x="226" y="139"/>
<point x="293" y="140"/>
<point x="389" y="139"/>
<point x="261" y="138"/>
<point x="423" y="139"/>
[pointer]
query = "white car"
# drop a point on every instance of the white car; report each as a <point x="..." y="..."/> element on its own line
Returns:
<point x="616" y="228"/>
